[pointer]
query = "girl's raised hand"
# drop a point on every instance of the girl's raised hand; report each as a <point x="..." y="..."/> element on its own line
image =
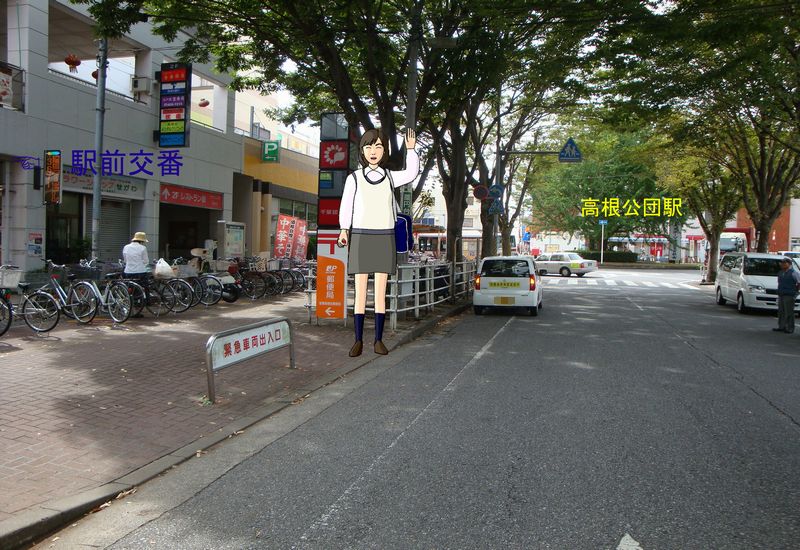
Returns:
<point x="411" y="139"/>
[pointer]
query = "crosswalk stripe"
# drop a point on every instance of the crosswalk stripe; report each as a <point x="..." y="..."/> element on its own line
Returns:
<point x="690" y="287"/>
<point x="591" y="282"/>
<point x="630" y="283"/>
<point x="572" y="281"/>
<point x="649" y="283"/>
<point x="669" y="285"/>
<point x="611" y="282"/>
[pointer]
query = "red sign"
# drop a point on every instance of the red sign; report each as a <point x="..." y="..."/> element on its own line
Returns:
<point x="173" y="75"/>
<point x="172" y="114"/>
<point x="186" y="196"/>
<point x="328" y="213"/>
<point x="291" y="240"/>
<point x="334" y="155"/>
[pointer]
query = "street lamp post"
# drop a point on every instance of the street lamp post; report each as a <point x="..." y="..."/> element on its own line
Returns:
<point x="100" y="111"/>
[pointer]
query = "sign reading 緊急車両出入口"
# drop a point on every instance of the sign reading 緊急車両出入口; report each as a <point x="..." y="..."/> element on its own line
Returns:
<point x="174" y="101"/>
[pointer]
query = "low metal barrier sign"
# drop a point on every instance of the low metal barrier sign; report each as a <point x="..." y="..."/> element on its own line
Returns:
<point x="232" y="346"/>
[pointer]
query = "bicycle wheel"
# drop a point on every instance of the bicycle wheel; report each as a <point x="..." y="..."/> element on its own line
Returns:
<point x="286" y="280"/>
<point x="253" y="285"/>
<point x="184" y="295"/>
<point x="197" y="289"/>
<point x="138" y="297"/>
<point x="5" y="314"/>
<point x="212" y="290"/>
<point x="81" y="303"/>
<point x="160" y="299"/>
<point x="273" y="284"/>
<point x="40" y="311"/>
<point x="119" y="303"/>
<point x="299" y="279"/>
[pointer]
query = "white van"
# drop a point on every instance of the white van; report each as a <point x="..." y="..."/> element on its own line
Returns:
<point x="507" y="282"/>
<point x="751" y="280"/>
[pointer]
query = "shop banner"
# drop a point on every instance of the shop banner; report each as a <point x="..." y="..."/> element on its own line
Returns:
<point x="110" y="186"/>
<point x="186" y="196"/>
<point x="300" y="241"/>
<point x="53" y="176"/>
<point x="291" y="238"/>
<point x="331" y="276"/>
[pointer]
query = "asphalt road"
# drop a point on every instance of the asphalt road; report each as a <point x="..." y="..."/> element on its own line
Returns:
<point x="623" y="416"/>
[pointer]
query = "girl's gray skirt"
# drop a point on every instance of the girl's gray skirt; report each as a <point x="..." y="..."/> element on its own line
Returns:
<point x="371" y="252"/>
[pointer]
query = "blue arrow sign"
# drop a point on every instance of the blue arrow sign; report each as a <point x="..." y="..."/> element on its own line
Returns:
<point x="602" y="222"/>
<point x="570" y="152"/>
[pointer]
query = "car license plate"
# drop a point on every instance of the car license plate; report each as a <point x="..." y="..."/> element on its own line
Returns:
<point x="504" y="284"/>
<point x="504" y="300"/>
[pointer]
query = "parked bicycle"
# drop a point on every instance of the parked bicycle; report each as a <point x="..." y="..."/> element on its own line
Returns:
<point x="114" y="296"/>
<point x="80" y="307"/>
<point x="38" y="309"/>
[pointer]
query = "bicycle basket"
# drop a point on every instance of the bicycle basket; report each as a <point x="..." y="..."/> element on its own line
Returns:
<point x="86" y="273"/>
<point x="9" y="278"/>
<point x="185" y="270"/>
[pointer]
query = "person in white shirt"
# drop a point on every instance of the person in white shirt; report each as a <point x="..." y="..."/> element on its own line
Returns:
<point x="135" y="255"/>
<point x="367" y="217"/>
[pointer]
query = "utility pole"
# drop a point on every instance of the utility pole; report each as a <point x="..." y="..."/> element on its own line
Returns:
<point x="100" y="112"/>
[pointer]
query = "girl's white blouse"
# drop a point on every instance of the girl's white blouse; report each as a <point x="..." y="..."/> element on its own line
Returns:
<point x="357" y="211"/>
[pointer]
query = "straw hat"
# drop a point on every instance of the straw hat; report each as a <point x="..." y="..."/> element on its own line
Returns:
<point x="140" y="236"/>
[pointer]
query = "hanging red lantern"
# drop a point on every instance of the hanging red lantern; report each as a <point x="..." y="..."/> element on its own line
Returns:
<point x="73" y="62"/>
<point x="94" y="74"/>
<point x="204" y="102"/>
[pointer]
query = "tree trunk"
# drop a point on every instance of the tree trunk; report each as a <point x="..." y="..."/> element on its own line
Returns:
<point x="763" y="228"/>
<point x="712" y="259"/>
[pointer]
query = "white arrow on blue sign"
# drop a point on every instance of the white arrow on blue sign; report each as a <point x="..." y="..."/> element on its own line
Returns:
<point x="603" y="222"/>
<point x="570" y="152"/>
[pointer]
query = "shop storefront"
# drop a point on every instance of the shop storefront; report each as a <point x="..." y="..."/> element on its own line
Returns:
<point x="187" y="218"/>
<point x="69" y="223"/>
<point x="283" y="184"/>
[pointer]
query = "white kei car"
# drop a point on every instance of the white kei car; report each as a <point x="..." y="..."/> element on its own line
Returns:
<point x="507" y="282"/>
<point x="565" y="263"/>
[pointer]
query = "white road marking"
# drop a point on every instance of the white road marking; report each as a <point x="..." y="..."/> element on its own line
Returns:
<point x="611" y="282"/>
<point x="649" y="283"/>
<point x="690" y="287"/>
<point x="630" y="283"/>
<point x="591" y="282"/>
<point x="340" y="504"/>
<point x="628" y="543"/>
<point x="572" y="281"/>
<point x="669" y="285"/>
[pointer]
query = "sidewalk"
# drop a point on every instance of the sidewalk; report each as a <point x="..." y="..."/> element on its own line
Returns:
<point x="93" y="410"/>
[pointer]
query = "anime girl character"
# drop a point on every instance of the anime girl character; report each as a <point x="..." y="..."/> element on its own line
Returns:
<point x="367" y="218"/>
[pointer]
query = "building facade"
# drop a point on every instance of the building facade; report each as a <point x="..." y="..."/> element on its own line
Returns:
<point x="178" y="196"/>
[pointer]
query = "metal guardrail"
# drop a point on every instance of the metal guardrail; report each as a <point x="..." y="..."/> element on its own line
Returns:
<point x="12" y="87"/>
<point x="415" y="287"/>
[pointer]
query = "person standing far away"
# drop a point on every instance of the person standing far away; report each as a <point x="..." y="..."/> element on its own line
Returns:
<point x="135" y="255"/>
<point x="788" y="287"/>
<point x="367" y="219"/>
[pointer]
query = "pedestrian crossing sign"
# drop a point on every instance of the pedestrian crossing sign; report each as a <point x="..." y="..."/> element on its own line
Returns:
<point x="570" y="152"/>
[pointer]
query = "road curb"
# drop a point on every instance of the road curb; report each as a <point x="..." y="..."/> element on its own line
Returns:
<point x="52" y="515"/>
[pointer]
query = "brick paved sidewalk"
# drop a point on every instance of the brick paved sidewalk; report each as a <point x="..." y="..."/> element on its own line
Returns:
<point x="90" y="403"/>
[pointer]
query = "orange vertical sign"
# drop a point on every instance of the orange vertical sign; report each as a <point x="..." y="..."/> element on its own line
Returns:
<point x="331" y="276"/>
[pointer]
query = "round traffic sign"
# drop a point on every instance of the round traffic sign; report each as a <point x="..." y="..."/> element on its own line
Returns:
<point x="480" y="192"/>
<point x="496" y="191"/>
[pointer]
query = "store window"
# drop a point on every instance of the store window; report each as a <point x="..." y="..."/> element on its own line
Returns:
<point x="311" y="217"/>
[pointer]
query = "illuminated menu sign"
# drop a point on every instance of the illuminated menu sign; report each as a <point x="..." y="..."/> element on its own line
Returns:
<point x="175" y="101"/>
<point x="52" y="176"/>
